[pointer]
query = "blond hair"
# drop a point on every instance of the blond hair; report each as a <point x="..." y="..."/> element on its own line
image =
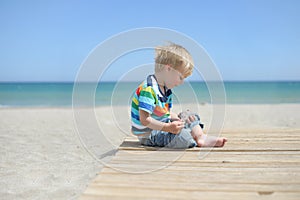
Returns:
<point x="176" y="57"/>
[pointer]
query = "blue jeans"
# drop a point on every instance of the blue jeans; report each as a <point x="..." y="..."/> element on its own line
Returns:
<point x="181" y="140"/>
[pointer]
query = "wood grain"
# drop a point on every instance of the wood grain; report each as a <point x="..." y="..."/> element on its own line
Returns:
<point x="256" y="165"/>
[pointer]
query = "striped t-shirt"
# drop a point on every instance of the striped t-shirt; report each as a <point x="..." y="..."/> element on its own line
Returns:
<point x="148" y="97"/>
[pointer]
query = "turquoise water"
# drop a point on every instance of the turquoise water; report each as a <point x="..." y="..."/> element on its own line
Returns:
<point x="60" y="94"/>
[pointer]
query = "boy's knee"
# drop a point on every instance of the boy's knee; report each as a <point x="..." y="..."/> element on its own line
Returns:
<point x="182" y="140"/>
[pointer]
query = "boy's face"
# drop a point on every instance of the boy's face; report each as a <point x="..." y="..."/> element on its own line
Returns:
<point x="173" y="78"/>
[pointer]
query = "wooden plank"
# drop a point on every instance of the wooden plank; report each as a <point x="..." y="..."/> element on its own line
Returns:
<point x="234" y="148"/>
<point x="184" y="155"/>
<point x="261" y="177"/>
<point x="244" y="180"/>
<point x="200" y="186"/>
<point x="230" y="146"/>
<point x="134" y="193"/>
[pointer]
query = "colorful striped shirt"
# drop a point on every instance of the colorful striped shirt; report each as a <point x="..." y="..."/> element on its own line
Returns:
<point x="148" y="97"/>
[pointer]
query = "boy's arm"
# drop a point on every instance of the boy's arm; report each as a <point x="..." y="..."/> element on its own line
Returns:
<point x="172" y="127"/>
<point x="174" y="116"/>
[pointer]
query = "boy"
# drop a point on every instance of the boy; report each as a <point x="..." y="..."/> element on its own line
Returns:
<point x="151" y="117"/>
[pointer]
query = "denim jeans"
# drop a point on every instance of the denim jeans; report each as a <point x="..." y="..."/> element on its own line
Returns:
<point x="181" y="140"/>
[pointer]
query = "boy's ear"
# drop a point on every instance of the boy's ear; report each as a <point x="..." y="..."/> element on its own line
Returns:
<point x="168" y="67"/>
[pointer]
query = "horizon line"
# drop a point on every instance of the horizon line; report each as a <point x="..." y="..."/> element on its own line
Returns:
<point x="112" y="81"/>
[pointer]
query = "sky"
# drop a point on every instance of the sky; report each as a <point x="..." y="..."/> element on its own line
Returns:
<point x="248" y="40"/>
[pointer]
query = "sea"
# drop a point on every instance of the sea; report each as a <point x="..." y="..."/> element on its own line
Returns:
<point x="61" y="94"/>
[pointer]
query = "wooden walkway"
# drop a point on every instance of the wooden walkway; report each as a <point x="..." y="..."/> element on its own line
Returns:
<point x="260" y="165"/>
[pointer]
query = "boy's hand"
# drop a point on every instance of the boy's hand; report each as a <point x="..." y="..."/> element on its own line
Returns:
<point x="187" y="116"/>
<point x="175" y="127"/>
<point x="190" y="119"/>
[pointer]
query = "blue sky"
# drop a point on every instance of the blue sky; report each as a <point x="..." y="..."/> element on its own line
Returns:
<point x="247" y="39"/>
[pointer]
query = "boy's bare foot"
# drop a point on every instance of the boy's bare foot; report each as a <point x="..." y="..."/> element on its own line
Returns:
<point x="211" y="141"/>
<point x="204" y="140"/>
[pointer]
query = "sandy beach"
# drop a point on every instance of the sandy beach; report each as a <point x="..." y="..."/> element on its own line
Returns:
<point x="42" y="156"/>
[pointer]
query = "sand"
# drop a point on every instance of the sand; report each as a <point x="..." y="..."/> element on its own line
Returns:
<point x="42" y="155"/>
